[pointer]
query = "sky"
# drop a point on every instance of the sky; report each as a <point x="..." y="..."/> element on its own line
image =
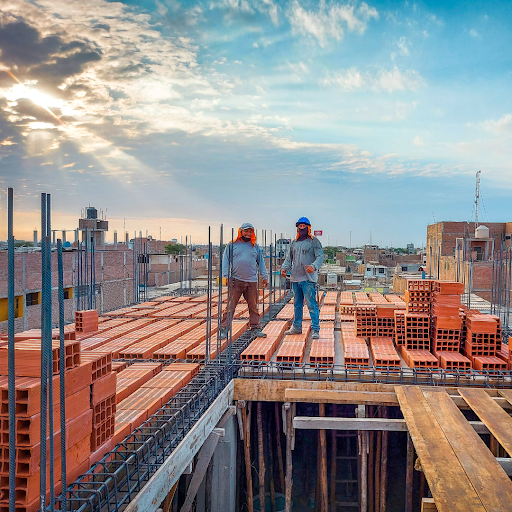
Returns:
<point x="371" y="119"/>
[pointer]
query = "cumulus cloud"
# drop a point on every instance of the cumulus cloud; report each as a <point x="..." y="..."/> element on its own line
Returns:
<point x="474" y="33"/>
<point x="500" y="126"/>
<point x="418" y="141"/>
<point x="248" y="7"/>
<point x="330" y="21"/>
<point x="352" y="79"/>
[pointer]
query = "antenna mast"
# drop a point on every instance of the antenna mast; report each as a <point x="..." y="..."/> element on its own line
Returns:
<point x="477" y="197"/>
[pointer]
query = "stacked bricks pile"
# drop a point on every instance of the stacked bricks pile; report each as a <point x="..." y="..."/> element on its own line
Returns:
<point x="89" y="408"/>
<point x="505" y="354"/>
<point x="355" y="350"/>
<point x="261" y="349"/>
<point x="293" y="347"/>
<point x="158" y="387"/>
<point x="331" y="299"/>
<point x="347" y="307"/>
<point x="322" y="349"/>
<point x="86" y="321"/>
<point x="483" y="342"/>
<point x="365" y="320"/>
<point x="418" y="296"/>
<point x="384" y="354"/>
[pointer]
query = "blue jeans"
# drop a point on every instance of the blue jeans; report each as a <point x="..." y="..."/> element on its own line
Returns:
<point x="305" y="290"/>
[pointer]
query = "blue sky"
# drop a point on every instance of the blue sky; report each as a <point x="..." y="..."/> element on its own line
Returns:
<point x="365" y="117"/>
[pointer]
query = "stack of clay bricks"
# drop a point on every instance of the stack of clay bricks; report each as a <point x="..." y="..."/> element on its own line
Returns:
<point x="262" y="349"/>
<point x="384" y="354"/>
<point x="418" y="295"/>
<point x="322" y="349"/>
<point x="103" y="404"/>
<point x="415" y="349"/>
<point x="386" y="319"/>
<point x="347" y="307"/>
<point x="328" y="313"/>
<point x="198" y="353"/>
<point x="86" y="320"/>
<point x="365" y="316"/>
<point x="293" y="347"/>
<point x="355" y="350"/>
<point x="174" y="334"/>
<point x="483" y="342"/>
<point x="396" y="300"/>
<point x="399" y="315"/>
<point x="78" y="431"/>
<point x="286" y="313"/>
<point x="446" y="325"/>
<point x="505" y="354"/>
<point x="331" y="299"/>
<point x="159" y="386"/>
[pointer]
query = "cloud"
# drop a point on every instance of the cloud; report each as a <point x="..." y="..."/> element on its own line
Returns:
<point x="330" y="21"/>
<point x="403" y="46"/>
<point x="474" y="33"/>
<point x="248" y="7"/>
<point x="418" y="141"/>
<point x="350" y="80"/>
<point x="346" y="80"/>
<point x="500" y="126"/>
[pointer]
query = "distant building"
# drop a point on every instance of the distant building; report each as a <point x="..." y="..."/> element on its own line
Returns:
<point x="410" y="248"/>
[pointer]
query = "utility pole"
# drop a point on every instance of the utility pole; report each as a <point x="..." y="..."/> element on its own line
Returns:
<point x="477" y="197"/>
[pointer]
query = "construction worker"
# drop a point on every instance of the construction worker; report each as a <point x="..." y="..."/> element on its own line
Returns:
<point x="247" y="261"/>
<point x="304" y="258"/>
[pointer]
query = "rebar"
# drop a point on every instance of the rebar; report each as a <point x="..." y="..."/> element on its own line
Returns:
<point x="60" y="270"/>
<point x="10" y="349"/>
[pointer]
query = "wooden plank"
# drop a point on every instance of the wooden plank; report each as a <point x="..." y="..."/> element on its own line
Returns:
<point x="506" y="394"/>
<point x="340" y="397"/>
<point x="485" y="474"/>
<point x="495" y="418"/>
<point x="428" y="505"/>
<point x="329" y="423"/>
<point x="446" y="478"/>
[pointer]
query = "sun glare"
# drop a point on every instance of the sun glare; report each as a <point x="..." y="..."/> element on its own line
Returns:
<point x="23" y="91"/>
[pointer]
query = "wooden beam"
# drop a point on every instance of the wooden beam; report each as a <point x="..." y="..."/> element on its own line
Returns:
<point x="204" y="456"/>
<point x="269" y="390"/>
<point x="392" y="425"/>
<point x="428" y="505"/>
<point x="155" y="491"/>
<point x="340" y="397"/>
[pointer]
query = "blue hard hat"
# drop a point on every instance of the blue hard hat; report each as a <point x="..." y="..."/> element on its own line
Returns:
<point x="303" y="220"/>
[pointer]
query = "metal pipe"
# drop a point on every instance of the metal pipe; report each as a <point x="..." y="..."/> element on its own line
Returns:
<point x="10" y="350"/>
<point x="219" y="311"/>
<point x="209" y="299"/>
<point x="60" y="269"/>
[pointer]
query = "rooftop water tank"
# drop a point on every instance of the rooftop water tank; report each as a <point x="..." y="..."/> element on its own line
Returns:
<point x="482" y="232"/>
<point x="92" y="213"/>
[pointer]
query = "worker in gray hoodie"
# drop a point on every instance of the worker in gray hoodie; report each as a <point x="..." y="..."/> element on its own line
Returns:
<point x="247" y="261"/>
<point x="304" y="258"/>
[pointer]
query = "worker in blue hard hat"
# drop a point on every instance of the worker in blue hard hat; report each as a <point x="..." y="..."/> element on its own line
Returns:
<point x="303" y="260"/>
<point x="241" y="263"/>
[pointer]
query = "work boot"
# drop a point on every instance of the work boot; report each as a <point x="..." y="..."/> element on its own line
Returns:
<point x="293" y="330"/>
<point x="259" y="333"/>
<point x="315" y="335"/>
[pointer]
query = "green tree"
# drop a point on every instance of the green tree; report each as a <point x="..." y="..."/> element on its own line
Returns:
<point x="330" y="252"/>
<point x="174" y="248"/>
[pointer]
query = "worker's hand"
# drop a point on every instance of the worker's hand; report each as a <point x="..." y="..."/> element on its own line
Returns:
<point x="309" y="269"/>
<point x="283" y="272"/>
<point x="264" y="283"/>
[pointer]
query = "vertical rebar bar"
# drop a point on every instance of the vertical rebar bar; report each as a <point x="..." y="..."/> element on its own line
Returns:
<point x="209" y="299"/>
<point x="49" y="351"/>
<point x="219" y="311"/>
<point x="44" y="360"/>
<point x="60" y="270"/>
<point x="231" y="306"/>
<point x="10" y="350"/>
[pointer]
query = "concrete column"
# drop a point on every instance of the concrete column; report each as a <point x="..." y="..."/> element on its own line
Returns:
<point x="36" y="241"/>
<point x="115" y="239"/>
<point x="63" y="236"/>
<point x="54" y="237"/>
<point x="76" y="235"/>
<point x="126" y="239"/>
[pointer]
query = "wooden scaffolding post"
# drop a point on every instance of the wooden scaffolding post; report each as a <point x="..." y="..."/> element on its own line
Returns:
<point x="363" y="449"/>
<point x="384" y="463"/>
<point x="409" y="474"/>
<point x="247" y="430"/>
<point x="289" y="467"/>
<point x="334" y="453"/>
<point x="371" y="464"/>
<point x="279" y="447"/>
<point x="270" y="451"/>
<point x="324" y="500"/>
<point x="261" y="458"/>
<point x="378" y="455"/>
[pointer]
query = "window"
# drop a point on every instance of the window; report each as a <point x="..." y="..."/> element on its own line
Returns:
<point x="33" y="298"/>
<point x="4" y="308"/>
<point x="381" y="270"/>
<point x="68" y="293"/>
